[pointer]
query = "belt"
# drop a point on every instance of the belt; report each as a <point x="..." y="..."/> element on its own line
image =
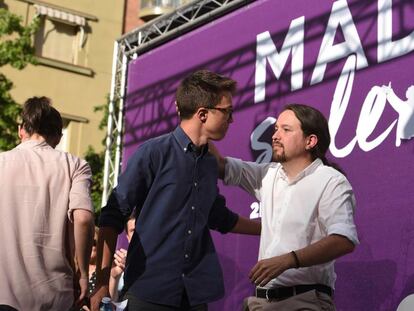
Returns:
<point x="280" y="293"/>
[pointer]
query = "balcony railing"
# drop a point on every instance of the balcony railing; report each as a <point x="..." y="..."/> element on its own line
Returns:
<point x="153" y="8"/>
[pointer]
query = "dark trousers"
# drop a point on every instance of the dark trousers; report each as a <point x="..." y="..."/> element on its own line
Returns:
<point x="6" y="308"/>
<point x="135" y="304"/>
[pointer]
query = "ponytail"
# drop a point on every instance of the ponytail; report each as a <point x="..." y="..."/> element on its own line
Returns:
<point x="334" y="165"/>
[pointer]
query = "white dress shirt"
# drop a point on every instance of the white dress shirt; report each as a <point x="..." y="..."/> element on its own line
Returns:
<point x="296" y="213"/>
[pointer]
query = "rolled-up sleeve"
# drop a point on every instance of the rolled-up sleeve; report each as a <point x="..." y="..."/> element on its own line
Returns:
<point x="221" y="218"/>
<point x="336" y="210"/>
<point x="80" y="191"/>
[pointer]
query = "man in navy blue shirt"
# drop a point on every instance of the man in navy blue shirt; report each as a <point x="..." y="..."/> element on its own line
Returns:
<point x="171" y="180"/>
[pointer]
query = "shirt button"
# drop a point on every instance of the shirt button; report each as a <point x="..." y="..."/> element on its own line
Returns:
<point x="186" y="256"/>
<point x="185" y="149"/>
<point x="195" y="184"/>
<point x="183" y="275"/>
<point x="193" y="208"/>
<point x="189" y="231"/>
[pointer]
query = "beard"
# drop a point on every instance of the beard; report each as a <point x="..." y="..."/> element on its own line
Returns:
<point x="281" y="157"/>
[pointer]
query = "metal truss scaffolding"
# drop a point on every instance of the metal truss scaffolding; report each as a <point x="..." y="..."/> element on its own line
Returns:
<point x="137" y="42"/>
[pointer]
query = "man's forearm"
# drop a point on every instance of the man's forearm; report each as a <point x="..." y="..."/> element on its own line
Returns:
<point x="83" y="236"/>
<point x="105" y="251"/>
<point x="247" y="226"/>
<point x="325" y="250"/>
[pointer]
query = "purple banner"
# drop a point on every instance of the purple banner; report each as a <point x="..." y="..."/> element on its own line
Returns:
<point x="335" y="56"/>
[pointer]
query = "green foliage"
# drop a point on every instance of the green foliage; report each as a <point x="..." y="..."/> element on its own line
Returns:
<point x="9" y="112"/>
<point x="105" y="109"/>
<point x="96" y="161"/>
<point x="16" y="50"/>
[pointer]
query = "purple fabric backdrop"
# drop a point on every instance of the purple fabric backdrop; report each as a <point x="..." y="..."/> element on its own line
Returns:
<point x="268" y="41"/>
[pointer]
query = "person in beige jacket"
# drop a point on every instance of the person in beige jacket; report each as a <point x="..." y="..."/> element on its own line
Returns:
<point x="46" y="217"/>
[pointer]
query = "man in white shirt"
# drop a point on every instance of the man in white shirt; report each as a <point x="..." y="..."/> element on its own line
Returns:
<point x="307" y="214"/>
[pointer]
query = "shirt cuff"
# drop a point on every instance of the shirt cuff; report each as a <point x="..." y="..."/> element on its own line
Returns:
<point x="111" y="218"/>
<point x="86" y="207"/>
<point x="348" y="231"/>
<point x="230" y="222"/>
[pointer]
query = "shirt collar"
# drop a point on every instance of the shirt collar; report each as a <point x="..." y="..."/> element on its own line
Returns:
<point x="183" y="140"/>
<point x="33" y="144"/>
<point x="307" y="171"/>
<point x="200" y="151"/>
<point x="186" y="144"/>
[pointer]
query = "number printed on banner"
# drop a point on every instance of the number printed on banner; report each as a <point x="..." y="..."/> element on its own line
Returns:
<point x="256" y="210"/>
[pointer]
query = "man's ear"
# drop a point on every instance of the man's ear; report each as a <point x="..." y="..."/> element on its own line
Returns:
<point x="21" y="132"/>
<point x="202" y="114"/>
<point x="311" y="141"/>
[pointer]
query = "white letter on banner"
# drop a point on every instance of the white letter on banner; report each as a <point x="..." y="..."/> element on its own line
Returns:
<point x="266" y="155"/>
<point x="371" y="112"/>
<point x="339" y="104"/>
<point x="387" y="49"/>
<point x="340" y="16"/>
<point x="266" y="51"/>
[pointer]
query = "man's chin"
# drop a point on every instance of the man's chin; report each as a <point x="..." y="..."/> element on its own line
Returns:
<point x="218" y="136"/>
<point x="278" y="158"/>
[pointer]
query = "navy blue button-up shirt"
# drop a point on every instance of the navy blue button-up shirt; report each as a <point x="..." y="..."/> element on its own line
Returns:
<point x="174" y="190"/>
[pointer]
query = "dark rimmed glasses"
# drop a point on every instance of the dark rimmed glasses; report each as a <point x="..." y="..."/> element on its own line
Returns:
<point x="228" y="111"/>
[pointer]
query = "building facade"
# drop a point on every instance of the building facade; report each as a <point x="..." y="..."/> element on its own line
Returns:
<point x="137" y="12"/>
<point x="74" y="48"/>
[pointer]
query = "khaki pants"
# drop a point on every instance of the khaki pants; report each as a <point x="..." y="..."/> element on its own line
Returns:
<point x="309" y="301"/>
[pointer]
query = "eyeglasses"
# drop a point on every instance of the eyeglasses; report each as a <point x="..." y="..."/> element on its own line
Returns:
<point x="228" y="111"/>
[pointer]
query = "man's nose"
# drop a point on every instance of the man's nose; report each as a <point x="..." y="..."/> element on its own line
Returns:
<point x="276" y="135"/>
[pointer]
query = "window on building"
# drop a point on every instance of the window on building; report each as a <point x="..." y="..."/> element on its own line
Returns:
<point x="57" y="40"/>
<point x="61" y="35"/>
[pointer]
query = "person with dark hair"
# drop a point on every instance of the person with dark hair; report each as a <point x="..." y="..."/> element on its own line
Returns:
<point x="46" y="216"/>
<point x="40" y="118"/>
<point x="171" y="180"/>
<point x="307" y="214"/>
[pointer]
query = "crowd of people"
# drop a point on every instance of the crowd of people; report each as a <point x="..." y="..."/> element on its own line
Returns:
<point x="167" y="201"/>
